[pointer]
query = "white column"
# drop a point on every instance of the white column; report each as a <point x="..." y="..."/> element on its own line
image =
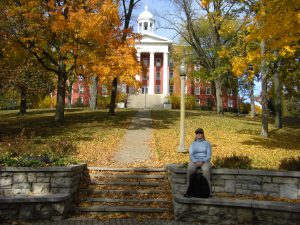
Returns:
<point x="138" y="76"/>
<point x="165" y="75"/>
<point x="151" y="74"/>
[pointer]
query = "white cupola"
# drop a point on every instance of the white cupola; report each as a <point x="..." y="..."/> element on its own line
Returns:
<point x="146" y="22"/>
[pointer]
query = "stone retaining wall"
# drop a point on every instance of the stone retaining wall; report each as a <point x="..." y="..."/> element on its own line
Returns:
<point x="46" y="191"/>
<point x="230" y="211"/>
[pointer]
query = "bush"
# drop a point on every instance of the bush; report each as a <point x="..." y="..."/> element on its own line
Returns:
<point x="190" y="102"/>
<point x="233" y="162"/>
<point x="175" y="100"/>
<point x="290" y="164"/>
<point x="103" y="102"/>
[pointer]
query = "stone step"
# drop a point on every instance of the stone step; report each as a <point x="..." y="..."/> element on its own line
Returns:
<point x="130" y="176"/>
<point x="125" y="200"/>
<point x="127" y="169"/>
<point x="92" y="191"/>
<point x="97" y="208"/>
<point x="124" y="183"/>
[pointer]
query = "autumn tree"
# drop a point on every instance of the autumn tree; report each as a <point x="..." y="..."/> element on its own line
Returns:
<point x="271" y="35"/>
<point x="127" y="7"/>
<point x="57" y="32"/>
<point x="219" y="16"/>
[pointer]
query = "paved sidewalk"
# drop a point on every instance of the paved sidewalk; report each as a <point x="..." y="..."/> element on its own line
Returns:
<point x="115" y="222"/>
<point x="134" y="146"/>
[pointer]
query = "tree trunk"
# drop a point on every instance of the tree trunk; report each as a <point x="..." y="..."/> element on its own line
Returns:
<point x="94" y="93"/>
<point x="218" y="83"/>
<point x="277" y="96"/>
<point x="70" y="85"/>
<point x="113" y="97"/>
<point x="264" y="87"/>
<point x="61" y="93"/>
<point x="23" y="101"/>
<point x="252" y="100"/>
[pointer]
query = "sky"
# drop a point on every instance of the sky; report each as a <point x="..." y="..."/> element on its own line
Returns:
<point x="159" y="8"/>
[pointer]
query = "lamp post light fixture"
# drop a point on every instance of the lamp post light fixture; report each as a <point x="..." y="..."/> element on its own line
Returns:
<point x="182" y="72"/>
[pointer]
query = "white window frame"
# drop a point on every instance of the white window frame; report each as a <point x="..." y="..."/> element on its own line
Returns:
<point x="171" y="89"/>
<point x="145" y="62"/>
<point x="208" y="90"/>
<point x="197" y="80"/>
<point x="197" y="90"/>
<point x="156" y="76"/>
<point x="230" y="103"/>
<point x="229" y="92"/>
<point x="171" y="75"/>
<point x="158" y="62"/>
<point x="197" y="100"/>
<point x="81" y="89"/>
<point x="157" y="89"/>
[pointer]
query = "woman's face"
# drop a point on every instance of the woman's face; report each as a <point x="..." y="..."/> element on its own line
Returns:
<point x="199" y="135"/>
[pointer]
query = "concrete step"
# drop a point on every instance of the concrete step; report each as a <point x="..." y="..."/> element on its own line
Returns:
<point x="124" y="183"/>
<point x="127" y="169"/>
<point x="130" y="176"/>
<point x="92" y="191"/>
<point x="125" y="200"/>
<point x="97" y="208"/>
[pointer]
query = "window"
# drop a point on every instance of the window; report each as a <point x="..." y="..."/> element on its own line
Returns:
<point x="145" y="62"/>
<point x="229" y="91"/>
<point x="157" y="89"/>
<point x="171" y="63"/>
<point x="208" y="91"/>
<point x="158" y="75"/>
<point x="230" y="103"/>
<point x="80" y="78"/>
<point x="197" y="80"/>
<point x="197" y="90"/>
<point x="131" y="90"/>
<point x="151" y="26"/>
<point x="80" y="100"/>
<point x="145" y="25"/>
<point x="140" y="26"/>
<point x="171" y="89"/>
<point x="145" y="90"/>
<point x="171" y="75"/>
<point x="209" y="103"/>
<point x="158" y="62"/>
<point x="145" y="77"/>
<point x="81" y="89"/>
<point x="197" y="100"/>
<point x="104" y="90"/>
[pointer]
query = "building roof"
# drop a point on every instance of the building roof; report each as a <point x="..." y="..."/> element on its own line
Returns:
<point x="146" y="15"/>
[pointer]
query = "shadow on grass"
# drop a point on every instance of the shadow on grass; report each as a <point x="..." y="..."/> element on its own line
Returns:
<point x="76" y="121"/>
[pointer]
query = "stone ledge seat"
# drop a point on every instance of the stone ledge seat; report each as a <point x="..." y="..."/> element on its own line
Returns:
<point x="34" y="198"/>
<point x="254" y="204"/>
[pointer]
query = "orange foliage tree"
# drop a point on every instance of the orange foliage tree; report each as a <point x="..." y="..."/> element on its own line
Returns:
<point x="60" y="33"/>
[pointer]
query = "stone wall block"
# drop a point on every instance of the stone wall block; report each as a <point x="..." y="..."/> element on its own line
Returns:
<point x="45" y="174"/>
<point x="218" y="189"/>
<point x="61" y="182"/>
<point x="199" y="209"/>
<point x="284" y="180"/>
<point x="41" y="188"/>
<point x="31" y="177"/>
<point x="248" y="179"/>
<point x="266" y="179"/>
<point x="6" y="174"/>
<point x="5" y="181"/>
<point x="230" y="186"/>
<point x="288" y="191"/>
<point x="218" y="182"/>
<point x="43" y="179"/>
<point x="21" y="189"/>
<point x="244" y="216"/>
<point x="20" y="178"/>
<point x="62" y="174"/>
<point x="26" y="212"/>
<point x="243" y="192"/>
<point x="270" y="187"/>
<point x="228" y="177"/>
<point x="254" y="187"/>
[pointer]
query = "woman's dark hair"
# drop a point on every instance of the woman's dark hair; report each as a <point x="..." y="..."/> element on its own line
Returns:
<point x="199" y="131"/>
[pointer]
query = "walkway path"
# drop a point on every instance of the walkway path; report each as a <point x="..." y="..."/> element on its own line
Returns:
<point x="134" y="146"/>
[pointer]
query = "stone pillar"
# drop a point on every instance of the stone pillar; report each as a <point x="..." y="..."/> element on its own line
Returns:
<point x="151" y="74"/>
<point x="138" y="76"/>
<point x="166" y="75"/>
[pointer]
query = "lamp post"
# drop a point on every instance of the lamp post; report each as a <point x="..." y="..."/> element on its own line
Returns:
<point x="182" y="72"/>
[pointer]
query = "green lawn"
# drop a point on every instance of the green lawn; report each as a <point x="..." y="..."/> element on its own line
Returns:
<point x="228" y="135"/>
<point x="89" y="136"/>
<point x="92" y="136"/>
